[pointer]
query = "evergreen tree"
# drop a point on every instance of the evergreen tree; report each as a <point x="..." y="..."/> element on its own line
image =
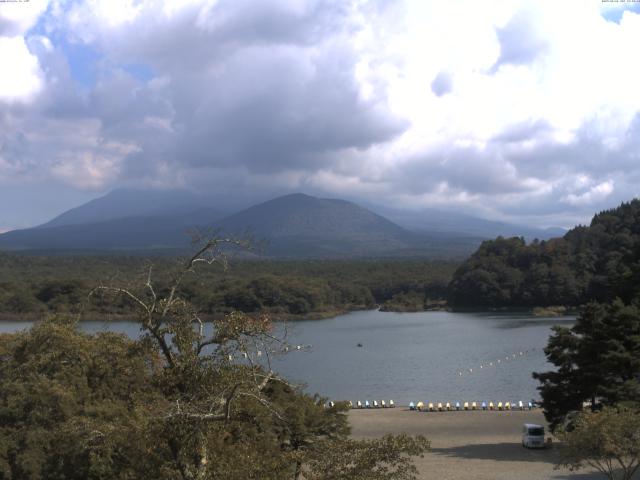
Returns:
<point x="597" y="360"/>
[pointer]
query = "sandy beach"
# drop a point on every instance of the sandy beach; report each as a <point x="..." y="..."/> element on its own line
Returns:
<point x="469" y="444"/>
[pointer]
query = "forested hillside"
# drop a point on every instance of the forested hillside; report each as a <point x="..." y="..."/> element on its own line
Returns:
<point x="31" y="286"/>
<point x="596" y="262"/>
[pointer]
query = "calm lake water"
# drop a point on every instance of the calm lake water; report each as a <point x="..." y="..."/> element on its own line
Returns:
<point x="408" y="356"/>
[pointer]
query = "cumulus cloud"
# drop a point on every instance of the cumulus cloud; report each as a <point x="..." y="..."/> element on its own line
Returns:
<point x="593" y="194"/>
<point x="25" y="79"/>
<point x="506" y="109"/>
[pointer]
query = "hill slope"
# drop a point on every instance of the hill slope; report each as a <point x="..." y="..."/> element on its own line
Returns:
<point x="293" y="226"/>
<point x="123" y="203"/>
<point x="598" y="262"/>
<point x="131" y="233"/>
<point x="296" y="223"/>
<point x="300" y="225"/>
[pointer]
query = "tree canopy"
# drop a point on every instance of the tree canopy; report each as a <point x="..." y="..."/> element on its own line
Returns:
<point x="597" y="360"/>
<point x="194" y="398"/>
<point x="608" y="441"/>
<point x="35" y="286"/>
<point x="595" y="263"/>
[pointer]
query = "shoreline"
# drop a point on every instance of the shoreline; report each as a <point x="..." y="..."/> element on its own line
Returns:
<point x="537" y="312"/>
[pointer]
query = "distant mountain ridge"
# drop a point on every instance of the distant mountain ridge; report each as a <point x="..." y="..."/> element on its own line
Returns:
<point x="433" y="220"/>
<point x="122" y="203"/>
<point x="294" y="226"/>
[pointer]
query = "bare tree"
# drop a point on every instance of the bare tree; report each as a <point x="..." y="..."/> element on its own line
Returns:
<point x="216" y="374"/>
<point x="209" y="364"/>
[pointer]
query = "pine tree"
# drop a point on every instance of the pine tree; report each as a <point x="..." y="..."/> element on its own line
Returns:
<point x="597" y="360"/>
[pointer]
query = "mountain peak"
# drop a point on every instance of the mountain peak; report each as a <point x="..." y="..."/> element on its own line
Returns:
<point x="294" y="225"/>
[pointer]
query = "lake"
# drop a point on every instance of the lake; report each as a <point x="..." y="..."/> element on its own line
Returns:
<point x="428" y="356"/>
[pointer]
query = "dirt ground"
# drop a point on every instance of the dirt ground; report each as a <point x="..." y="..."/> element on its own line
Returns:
<point x="469" y="444"/>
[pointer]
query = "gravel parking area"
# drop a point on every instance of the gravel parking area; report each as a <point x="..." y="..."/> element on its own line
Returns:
<point x="469" y="444"/>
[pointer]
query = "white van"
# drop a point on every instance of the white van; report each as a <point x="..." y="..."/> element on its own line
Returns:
<point x="532" y="435"/>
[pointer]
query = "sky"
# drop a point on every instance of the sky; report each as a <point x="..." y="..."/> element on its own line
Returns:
<point x="521" y="111"/>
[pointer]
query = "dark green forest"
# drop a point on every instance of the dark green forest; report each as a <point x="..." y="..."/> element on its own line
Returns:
<point x="33" y="286"/>
<point x="598" y="262"/>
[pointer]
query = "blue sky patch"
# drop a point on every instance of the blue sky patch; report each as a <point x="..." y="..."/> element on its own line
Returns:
<point x="139" y="71"/>
<point x="615" y="14"/>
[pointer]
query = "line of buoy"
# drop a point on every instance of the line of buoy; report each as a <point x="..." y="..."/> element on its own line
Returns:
<point x="494" y="363"/>
<point x="260" y="353"/>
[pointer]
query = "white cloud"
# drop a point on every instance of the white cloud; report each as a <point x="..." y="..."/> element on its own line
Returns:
<point x="498" y="107"/>
<point x="18" y="17"/>
<point x="22" y="78"/>
<point x="594" y="194"/>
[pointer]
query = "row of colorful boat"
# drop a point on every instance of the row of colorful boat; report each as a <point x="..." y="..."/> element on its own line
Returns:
<point x="442" y="407"/>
